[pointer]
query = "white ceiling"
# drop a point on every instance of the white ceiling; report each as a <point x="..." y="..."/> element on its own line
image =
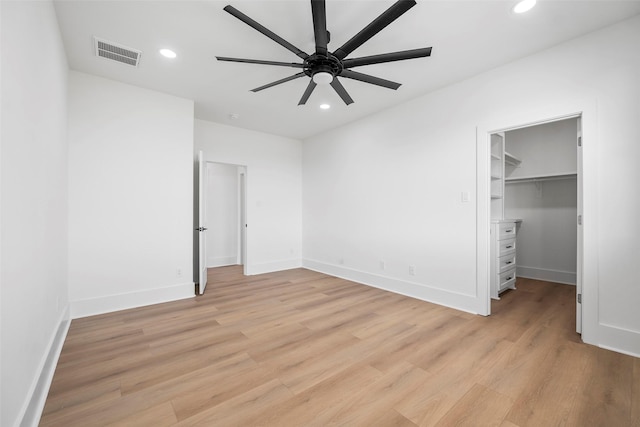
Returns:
<point x="468" y="38"/>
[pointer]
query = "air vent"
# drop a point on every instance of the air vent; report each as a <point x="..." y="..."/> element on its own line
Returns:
<point x="116" y="52"/>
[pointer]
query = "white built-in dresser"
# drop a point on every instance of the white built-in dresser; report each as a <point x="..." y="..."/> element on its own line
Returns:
<point x="503" y="255"/>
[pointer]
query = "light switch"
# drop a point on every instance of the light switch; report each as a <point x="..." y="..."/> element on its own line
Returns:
<point x="465" y="196"/>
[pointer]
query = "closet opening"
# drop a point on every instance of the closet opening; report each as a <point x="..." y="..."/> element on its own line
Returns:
<point x="535" y="192"/>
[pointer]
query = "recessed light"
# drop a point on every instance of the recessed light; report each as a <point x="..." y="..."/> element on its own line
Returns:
<point x="325" y="106"/>
<point x="168" y="53"/>
<point x="524" y="6"/>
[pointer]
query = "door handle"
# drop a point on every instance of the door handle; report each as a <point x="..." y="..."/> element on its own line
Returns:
<point x="201" y="229"/>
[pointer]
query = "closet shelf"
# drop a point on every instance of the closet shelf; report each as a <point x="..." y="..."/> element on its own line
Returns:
<point x="511" y="159"/>
<point x="540" y="178"/>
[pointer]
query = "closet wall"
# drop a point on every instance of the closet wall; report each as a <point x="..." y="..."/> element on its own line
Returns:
<point x="542" y="191"/>
<point x="222" y="214"/>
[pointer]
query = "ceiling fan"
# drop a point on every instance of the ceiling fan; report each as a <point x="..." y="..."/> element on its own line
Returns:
<point x="325" y="67"/>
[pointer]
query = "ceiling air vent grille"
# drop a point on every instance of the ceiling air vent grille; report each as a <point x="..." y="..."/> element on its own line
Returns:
<point x="115" y="52"/>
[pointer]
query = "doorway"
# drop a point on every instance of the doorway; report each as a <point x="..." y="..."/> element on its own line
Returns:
<point x="587" y="294"/>
<point x="535" y="188"/>
<point x="225" y="199"/>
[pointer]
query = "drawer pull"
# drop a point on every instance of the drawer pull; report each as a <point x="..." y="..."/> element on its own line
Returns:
<point x="508" y="247"/>
<point x="510" y="230"/>
<point x="509" y="262"/>
<point x="509" y="278"/>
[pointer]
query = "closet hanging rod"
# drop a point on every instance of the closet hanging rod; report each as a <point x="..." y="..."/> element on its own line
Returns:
<point x="556" y="177"/>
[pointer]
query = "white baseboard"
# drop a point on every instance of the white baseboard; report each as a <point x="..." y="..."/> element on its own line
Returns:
<point x="458" y="301"/>
<point x="32" y="410"/>
<point x="619" y="339"/>
<point x="269" y="267"/>
<point x="107" y="304"/>
<point x="222" y="261"/>
<point x="548" y="275"/>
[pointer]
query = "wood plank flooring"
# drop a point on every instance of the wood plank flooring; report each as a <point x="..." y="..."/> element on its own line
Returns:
<point x="299" y="348"/>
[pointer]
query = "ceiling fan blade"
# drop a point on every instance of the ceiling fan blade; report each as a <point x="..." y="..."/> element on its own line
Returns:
<point x="354" y="75"/>
<point x="337" y="86"/>
<point x="319" y="13"/>
<point x="273" y="36"/>
<point x="258" y="61"/>
<point x="386" y="18"/>
<point x="286" y="79"/>
<point x="307" y="92"/>
<point x="387" y="57"/>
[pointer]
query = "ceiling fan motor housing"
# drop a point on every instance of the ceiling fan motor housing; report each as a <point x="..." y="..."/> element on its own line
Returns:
<point x="318" y="63"/>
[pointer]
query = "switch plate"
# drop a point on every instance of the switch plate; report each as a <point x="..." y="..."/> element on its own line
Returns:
<point x="465" y="196"/>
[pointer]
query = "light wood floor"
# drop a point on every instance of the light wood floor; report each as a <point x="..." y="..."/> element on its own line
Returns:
<point x="299" y="348"/>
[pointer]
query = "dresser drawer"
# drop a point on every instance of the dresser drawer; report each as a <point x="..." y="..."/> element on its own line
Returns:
<point x="506" y="247"/>
<point x="507" y="279"/>
<point x="506" y="230"/>
<point x="506" y="262"/>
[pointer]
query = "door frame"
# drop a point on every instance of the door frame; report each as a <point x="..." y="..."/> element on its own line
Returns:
<point x="242" y="217"/>
<point x="587" y="263"/>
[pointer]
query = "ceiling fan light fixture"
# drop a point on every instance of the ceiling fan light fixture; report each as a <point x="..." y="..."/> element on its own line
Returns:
<point x="322" y="78"/>
<point x="524" y="6"/>
<point x="168" y="53"/>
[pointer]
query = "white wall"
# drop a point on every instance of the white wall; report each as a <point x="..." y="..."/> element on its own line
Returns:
<point x="274" y="191"/>
<point x="130" y="196"/>
<point x="389" y="187"/>
<point x="34" y="293"/>
<point x="547" y="236"/>
<point x="547" y="149"/>
<point x="222" y="214"/>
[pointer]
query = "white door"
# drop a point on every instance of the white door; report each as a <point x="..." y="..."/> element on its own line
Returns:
<point x="201" y="226"/>
<point x="579" y="260"/>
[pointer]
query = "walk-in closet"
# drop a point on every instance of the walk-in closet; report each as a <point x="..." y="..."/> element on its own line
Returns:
<point x="534" y="204"/>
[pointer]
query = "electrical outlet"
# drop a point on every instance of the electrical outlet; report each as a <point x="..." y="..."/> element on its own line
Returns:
<point x="382" y="265"/>
<point x="412" y="270"/>
<point x="179" y="272"/>
<point x="341" y="261"/>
